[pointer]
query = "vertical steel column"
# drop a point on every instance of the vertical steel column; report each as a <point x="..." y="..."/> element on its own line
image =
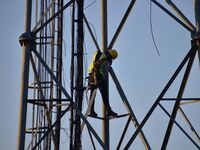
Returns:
<point x="197" y="17"/>
<point x="59" y="70"/>
<point x="79" y="74"/>
<point x="72" y="77"/>
<point x="52" y="66"/>
<point x="197" y="14"/>
<point x="24" y="79"/>
<point x="105" y="123"/>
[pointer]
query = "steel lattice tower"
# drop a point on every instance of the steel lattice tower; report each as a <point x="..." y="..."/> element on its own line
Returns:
<point x="44" y="98"/>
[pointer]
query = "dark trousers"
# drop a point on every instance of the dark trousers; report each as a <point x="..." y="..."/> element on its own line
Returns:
<point x="104" y="94"/>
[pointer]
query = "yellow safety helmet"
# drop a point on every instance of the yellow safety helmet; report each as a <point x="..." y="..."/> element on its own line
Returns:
<point x="113" y="53"/>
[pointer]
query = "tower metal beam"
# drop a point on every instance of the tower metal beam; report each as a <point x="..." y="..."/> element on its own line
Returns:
<point x="173" y="16"/>
<point x="177" y="103"/>
<point x="172" y="119"/>
<point x="59" y="64"/>
<point x="129" y="109"/>
<point x="53" y="17"/>
<point x="42" y="96"/>
<point x="112" y="73"/>
<point x="69" y="98"/>
<point x="26" y="43"/>
<point x="46" y="41"/>
<point x="121" y="23"/>
<point x="71" y="144"/>
<point x="91" y="33"/>
<point x="182" y="64"/>
<point x="197" y="19"/>
<point x="79" y="74"/>
<point x="180" y="14"/>
<point x="189" y="123"/>
<point x="104" y="27"/>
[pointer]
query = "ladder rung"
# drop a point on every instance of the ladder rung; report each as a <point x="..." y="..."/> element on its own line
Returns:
<point x="35" y="87"/>
<point x="43" y="43"/>
<point x="47" y="100"/>
<point x="33" y="130"/>
<point x="45" y="37"/>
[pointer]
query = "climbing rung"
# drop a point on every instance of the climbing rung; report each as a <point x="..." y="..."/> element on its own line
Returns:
<point x="45" y="37"/>
<point x="33" y="130"/>
<point x="43" y="43"/>
<point x="35" y="87"/>
<point x="38" y="101"/>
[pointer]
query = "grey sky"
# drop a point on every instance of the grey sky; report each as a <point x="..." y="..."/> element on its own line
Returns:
<point x="141" y="72"/>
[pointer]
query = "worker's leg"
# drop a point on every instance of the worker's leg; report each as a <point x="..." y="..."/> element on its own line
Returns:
<point x="92" y="101"/>
<point x="91" y="96"/>
<point x="93" y="87"/>
<point x="104" y="94"/>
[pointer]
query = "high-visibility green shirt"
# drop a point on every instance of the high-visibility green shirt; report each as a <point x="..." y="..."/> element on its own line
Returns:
<point x="104" y="66"/>
<point x="91" y="67"/>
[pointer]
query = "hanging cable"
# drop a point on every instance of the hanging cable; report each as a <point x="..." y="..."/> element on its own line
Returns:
<point x="90" y="5"/>
<point x="64" y="75"/>
<point x="65" y="130"/>
<point x="151" y="28"/>
<point x="84" y="60"/>
<point x="84" y="70"/>
<point x="95" y="33"/>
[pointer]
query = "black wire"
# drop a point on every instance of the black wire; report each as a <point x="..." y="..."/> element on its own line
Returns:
<point x="95" y="33"/>
<point x="151" y="27"/>
<point x="89" y="5"/>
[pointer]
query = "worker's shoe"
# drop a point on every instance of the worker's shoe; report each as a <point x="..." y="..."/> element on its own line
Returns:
<point x="111" y="113"/>
<point x="93" y="113"/>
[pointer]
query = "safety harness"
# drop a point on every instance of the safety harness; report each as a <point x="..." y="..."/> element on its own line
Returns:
<point x="95" y="76"/>
<point x="96" y="70"/>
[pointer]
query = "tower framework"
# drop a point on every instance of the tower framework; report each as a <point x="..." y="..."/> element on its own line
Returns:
<point x="44" y="98"/>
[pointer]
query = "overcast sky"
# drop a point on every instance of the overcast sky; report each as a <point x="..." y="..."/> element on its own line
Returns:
<point x="141" y="71"/>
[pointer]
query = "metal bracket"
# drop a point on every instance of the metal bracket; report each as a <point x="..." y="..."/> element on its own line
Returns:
<point x="27" y="38"/>
<point x="196" y="40"/>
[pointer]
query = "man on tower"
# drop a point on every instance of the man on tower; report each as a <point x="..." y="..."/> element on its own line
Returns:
<point x="98" y="69"/>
